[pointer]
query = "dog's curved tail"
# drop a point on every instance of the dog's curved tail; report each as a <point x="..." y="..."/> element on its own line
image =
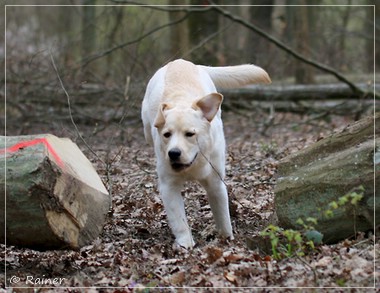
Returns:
<point x="236" y="76"/>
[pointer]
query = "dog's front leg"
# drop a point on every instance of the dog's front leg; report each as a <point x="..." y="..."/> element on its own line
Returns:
<point x="218" y="199"/>
<point x="175" y="210"/>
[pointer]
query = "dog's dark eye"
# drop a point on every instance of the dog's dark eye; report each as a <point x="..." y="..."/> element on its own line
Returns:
<point x="189" y="134"/>
<point x="167" y="134"/>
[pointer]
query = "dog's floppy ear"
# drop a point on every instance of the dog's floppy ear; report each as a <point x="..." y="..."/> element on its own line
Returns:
<point x="209" y="105"/>
<point x="160" y="118"/>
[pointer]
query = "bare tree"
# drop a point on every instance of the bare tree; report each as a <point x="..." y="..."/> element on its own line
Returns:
<point x="202" y="25"/>
<point x="179" y="34"/>
<point x="260" y="16"/>
<point x="343" y="39"/>
<point x="377" y="36"/>
<point x="368" y="29"/>
<point x="292" y="52"/>
<point x="299" y="34"/>
<point x="88" y="27"/>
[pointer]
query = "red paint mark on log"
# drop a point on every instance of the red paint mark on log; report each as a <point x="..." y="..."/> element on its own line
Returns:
<point x="29" y="143"/>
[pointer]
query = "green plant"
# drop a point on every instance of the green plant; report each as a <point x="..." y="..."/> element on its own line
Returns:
<point x="349" y="200"/>
<point x="289" y="242"/>
<point x="341" y="282"/>
<point x="269" y="147"/>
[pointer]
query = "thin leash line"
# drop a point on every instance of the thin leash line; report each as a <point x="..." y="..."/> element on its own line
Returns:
<point x="217" y="172"/>
<point x="211" y="164"/>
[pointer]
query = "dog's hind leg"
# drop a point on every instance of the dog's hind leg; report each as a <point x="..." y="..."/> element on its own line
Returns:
<point x="175" y="210"/>
<point x="218" y="199"/>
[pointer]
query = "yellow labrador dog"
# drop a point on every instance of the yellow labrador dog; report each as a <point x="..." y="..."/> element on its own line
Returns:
<point x="182" y="119"/>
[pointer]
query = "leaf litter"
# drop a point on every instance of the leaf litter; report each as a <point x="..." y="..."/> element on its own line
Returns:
<point x="135" y="250"/>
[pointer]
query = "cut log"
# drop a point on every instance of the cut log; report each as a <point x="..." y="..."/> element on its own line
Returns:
<point x="54" y="199"/>
<point x="309" y="180"/>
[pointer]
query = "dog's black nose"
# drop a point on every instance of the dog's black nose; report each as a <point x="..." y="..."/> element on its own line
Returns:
<point x="174" y="154"/>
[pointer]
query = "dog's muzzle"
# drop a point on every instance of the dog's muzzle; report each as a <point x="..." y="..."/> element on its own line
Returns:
<point x="174" y="155"/>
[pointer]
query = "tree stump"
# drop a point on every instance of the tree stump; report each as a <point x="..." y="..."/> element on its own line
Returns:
<point x="54" y="197"/>
<point x="309" y="180"/>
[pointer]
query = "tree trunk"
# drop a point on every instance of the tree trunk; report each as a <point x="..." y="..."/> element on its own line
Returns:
<point x="88" y="33"/>
<point x="377" y="38"/>
<point x="179" y="33"/>
<point x="370" y="28"/>
<point x="88" y="27"/>
<point x="260" y="16"/>
<point x="303" y="73"/>
<point x="342" y="62"/>
<point x="308" y="181"/>
<point x="201" y="26"/>
<point x="54" y="197"/>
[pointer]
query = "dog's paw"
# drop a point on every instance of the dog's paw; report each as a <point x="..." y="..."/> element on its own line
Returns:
<point x="226" y="238"/>
<point x="227" y="234"/>
<point x="184" y="243"/>
<point x="180" y="250"/>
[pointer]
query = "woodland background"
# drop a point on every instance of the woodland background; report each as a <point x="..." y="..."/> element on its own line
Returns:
<point x="79" y="69"/>
<point x="112" y="51"/>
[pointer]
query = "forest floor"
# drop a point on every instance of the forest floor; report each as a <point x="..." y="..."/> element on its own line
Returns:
<point x="135" y="249"/>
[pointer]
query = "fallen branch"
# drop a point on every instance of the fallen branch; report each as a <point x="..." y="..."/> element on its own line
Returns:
<point x="252" y="27"/>
<point x="296" y="93"/>
<point x="290" y="51"/>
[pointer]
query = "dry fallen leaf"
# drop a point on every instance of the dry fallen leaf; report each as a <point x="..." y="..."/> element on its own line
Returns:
<point x="232" y="257"/>
<point x="177" y="278"/>
<point x="213" y="253"/>
<point x="135" y="249"/>
<point x="230" y="276"/>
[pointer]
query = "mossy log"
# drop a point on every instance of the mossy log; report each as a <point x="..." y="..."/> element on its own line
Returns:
<point x="311" y="179"/>
<point x="54" y="198"/>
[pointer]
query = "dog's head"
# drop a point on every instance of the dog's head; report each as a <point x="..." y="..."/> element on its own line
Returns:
<point x="184" y="132"/>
